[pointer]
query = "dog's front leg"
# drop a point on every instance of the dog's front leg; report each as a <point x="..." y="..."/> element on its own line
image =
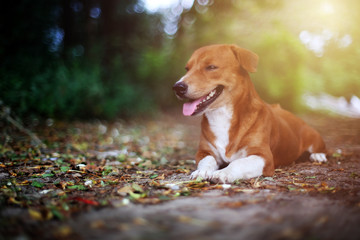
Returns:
<point x="206" y="167"/>
<point x="243" y="168"/>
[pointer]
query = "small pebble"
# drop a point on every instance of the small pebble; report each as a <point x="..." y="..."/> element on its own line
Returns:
<point x="172" y="186"/>
<point x="226" y="186"/>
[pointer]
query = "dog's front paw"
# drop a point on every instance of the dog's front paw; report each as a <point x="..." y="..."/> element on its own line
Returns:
<point x="223" y="176"/>
<point x="206" y="167"/>
<point x="204" y="174"/>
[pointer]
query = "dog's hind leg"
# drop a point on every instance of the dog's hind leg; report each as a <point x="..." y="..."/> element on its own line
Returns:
<point x="316" y="146"/>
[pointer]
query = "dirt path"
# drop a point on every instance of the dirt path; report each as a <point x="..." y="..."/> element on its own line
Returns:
<point x="157" y="201"/>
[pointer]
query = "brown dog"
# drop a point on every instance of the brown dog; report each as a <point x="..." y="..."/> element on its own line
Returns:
<point x="241" y="135"/>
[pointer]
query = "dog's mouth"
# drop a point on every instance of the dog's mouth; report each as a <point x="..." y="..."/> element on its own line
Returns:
<point x="196" y="106"/>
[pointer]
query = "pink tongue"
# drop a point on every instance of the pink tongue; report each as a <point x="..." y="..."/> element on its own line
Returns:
<point x="190" y="107"/>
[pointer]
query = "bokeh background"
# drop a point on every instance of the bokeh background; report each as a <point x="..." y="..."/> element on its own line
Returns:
<point x="78" y="59"/>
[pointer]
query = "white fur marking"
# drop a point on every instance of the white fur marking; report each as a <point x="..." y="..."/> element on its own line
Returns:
<point x="318" y="157"/>
<point x="181" y="80"/>
<point x="220" y="122"/>
<point x="239" y="154"/>
<point x="243" y="168"/>
<point x="310" y="149"/>
<point x="205" y="168"/>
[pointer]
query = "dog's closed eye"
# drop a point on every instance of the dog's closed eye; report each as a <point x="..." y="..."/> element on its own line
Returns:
<point x="211" y="67"/>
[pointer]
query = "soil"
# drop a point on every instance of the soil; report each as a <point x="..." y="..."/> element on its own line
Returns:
<point x="303" y="201"/>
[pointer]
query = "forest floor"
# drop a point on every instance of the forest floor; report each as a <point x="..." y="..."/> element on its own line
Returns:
<point x="130" y="180"/>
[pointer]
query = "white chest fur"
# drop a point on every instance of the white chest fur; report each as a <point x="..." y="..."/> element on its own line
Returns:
<point x="220" y="123"/>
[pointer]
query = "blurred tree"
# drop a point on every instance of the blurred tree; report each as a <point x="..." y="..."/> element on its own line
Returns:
<point x="93" y="58"/>
<point x="23" y="50"/>
<point x="76" y="58"/>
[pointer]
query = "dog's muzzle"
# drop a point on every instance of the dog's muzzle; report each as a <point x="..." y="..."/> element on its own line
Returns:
<point x="180" y="89"/>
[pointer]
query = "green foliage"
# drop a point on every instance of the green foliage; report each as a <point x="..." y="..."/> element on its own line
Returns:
<point x="37" y="184"/>
<point x="101" y="75"/>
<point x="280" y="75"/>
<point x="71" y="91"/>
<point x="78" y="187"/>
<point x="121" y="63"/>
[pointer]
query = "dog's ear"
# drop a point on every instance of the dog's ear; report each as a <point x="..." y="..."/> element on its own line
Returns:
<point x="247" y="58"/>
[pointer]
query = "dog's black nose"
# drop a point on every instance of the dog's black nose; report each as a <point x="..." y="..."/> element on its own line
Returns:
<point x="180" y="89"/>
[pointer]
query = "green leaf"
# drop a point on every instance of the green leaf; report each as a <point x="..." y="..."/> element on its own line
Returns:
<point x="57" y="213"/>
<point x="164" y="197"/>
<point x="107" y="170"/>
<point x="64" y="168"/>
<point x="199" y="179"/>
<point x="47" y="175"/>
<point x="269" y="178"/>
<point x="137" y="188"/>
<point x="154" y="176"/>
<point x="310" y="177"/>
<point x="121" y="157"/>
<point x="77" y="187"/>
<point x="37" y="184"/>
<point x="103" y="184"/>
<point x="291" y="188"/>
<point x="135" y="195"/>
<point x="65" y="206"/>
<point x="177" y="194"/>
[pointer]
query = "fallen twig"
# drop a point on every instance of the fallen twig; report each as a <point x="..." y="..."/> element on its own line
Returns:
<point x="35" y="140"/>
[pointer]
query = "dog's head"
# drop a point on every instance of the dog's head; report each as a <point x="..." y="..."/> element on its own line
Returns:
<point x="213" y="72"/>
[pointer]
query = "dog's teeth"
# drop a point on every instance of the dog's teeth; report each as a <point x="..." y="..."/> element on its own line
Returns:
<point x="208" y="97"/>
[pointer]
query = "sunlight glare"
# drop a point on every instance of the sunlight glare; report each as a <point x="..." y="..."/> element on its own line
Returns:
<point x="316" y="42"/>
<point x="155" y="5"/>
<point x="170" y="10"/>
<point x="327" y="8"/>
<point x="345" y="41"/>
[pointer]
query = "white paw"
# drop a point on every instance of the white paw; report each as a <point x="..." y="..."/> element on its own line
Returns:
<point x="204" y="174"/>
<point x="206" y="167"/>
<point x="243" y="168"/>
<point x="223" y="176"/>
<point x="318" y="157"/>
